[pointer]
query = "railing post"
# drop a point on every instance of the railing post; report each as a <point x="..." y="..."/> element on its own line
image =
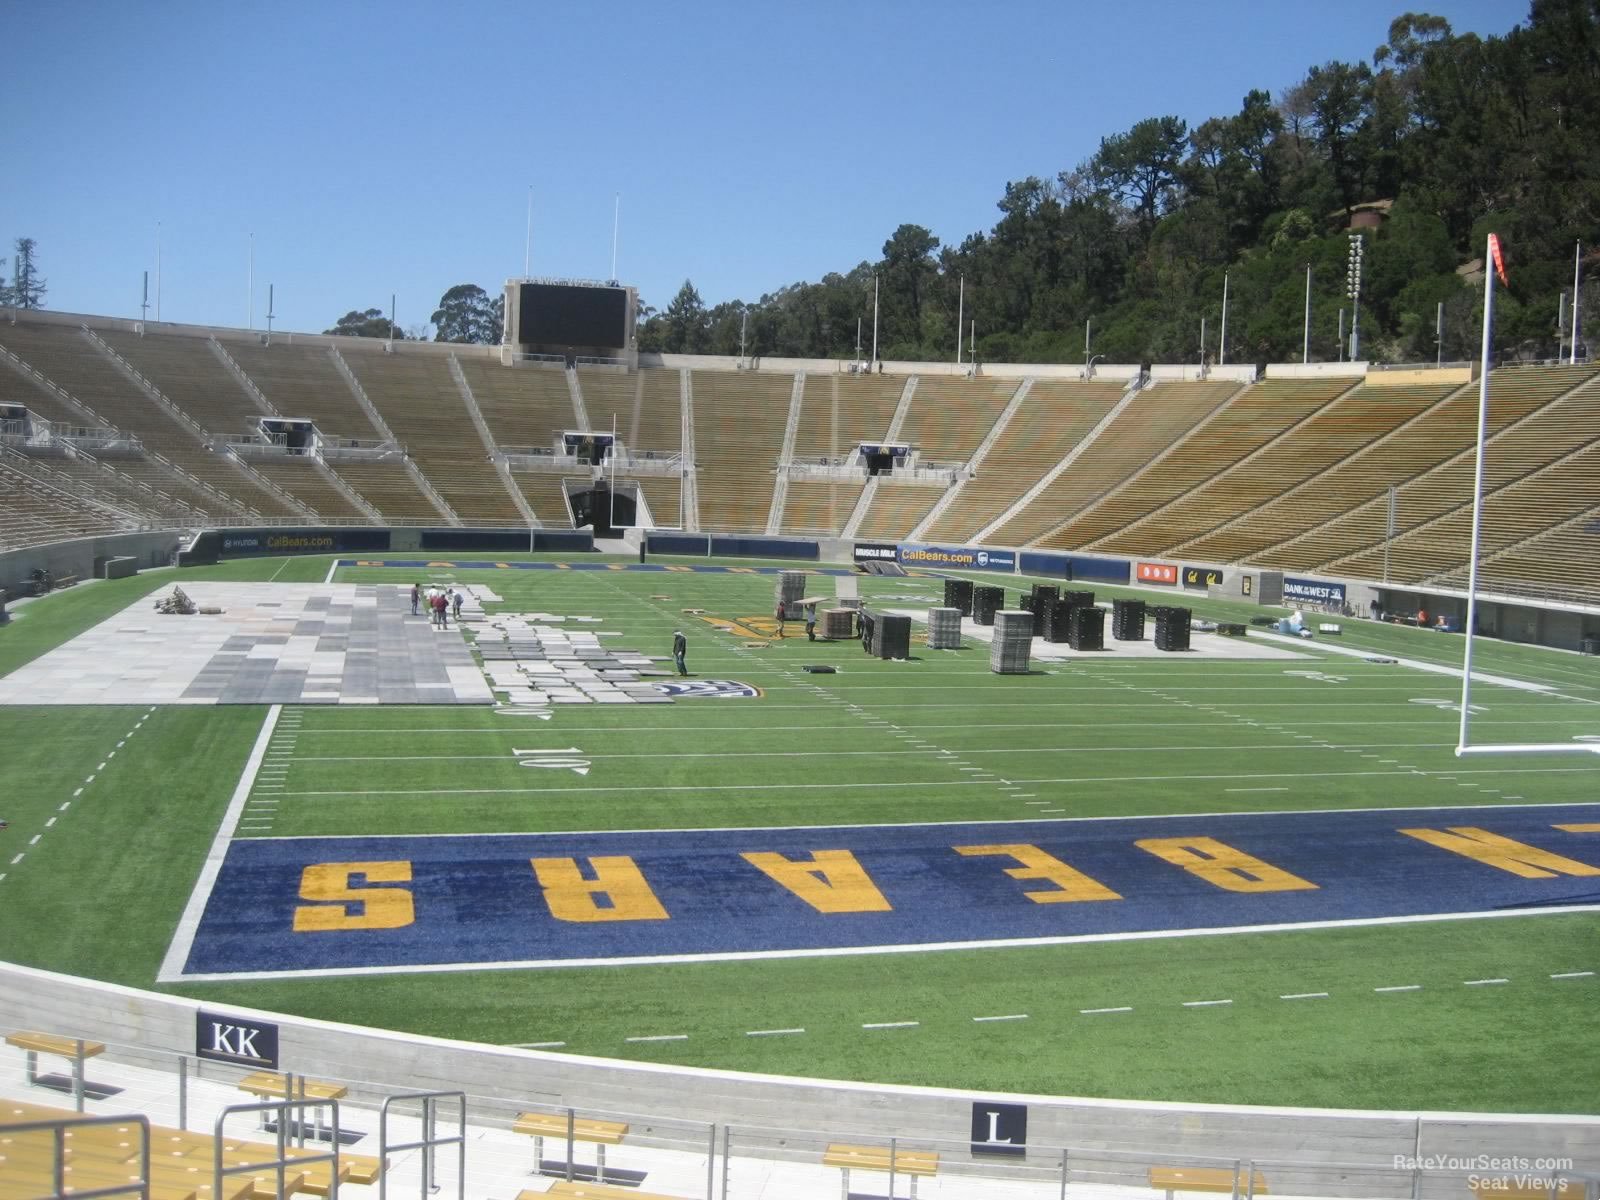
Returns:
<point x="572" y="1129"/>
<point x="183" y="1092"/>
<point x="1063" y="1173"/>
<point x="727" y="1158"/>
<point x="891" y="1168"/>
<point x="711" y="1165"/>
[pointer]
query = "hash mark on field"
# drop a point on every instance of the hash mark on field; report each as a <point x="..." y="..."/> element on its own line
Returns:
<point x="16" y="860"/>
<point x="1092" y="1011"/>
<point x="66" y="804"/>
<point x="1305" y="996"/>
<point x="1204" y="1003"/>
<point x="50" y="822"/>
<point x="660" y="1037"/>
<point x="101" y="767"/>
<point x="79" y="792"/>
<point x="1010" y="1017"/>
<point x="1481" y="982"/>
<point x="1404" y="987"/>
<point x="891" y="1025"/>
<point x="1573" y="975"/>
<point x="1260" y="789"/>
<point x="771" y="1032"/>
<point x="34" y="840"/>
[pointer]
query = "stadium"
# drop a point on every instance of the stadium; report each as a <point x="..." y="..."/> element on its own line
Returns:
<point x="556" y="763"/>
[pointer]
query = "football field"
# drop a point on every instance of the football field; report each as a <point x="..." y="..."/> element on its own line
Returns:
<point x="1186" y="877"/>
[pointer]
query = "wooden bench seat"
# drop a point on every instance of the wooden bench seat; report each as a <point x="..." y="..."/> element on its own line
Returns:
<point x="1205" y="1179"/>
<point x="540" y="1125"/>
<point x="74" y="1050"/>
<point x="595" y="1191"/>
<point x="911" y="1163"/>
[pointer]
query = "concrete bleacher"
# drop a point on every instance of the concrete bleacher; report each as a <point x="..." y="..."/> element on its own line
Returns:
<point x="820" y="506"/>
<point x="101" y="484"/>
<point x="385" y="484"/>
<point x="1054" y="417"/>
<point x="897" y="509"/>
<point x="523" y="407"/>
<point x="38" y="511"/>
<point x="545" y="493"/>
<point x="664" y="495"/>
<point x="1246" y="423"/>
<point x="192" y="377"/>
<point x="1155" y="419"/>
<point x="739" y="421"/>
<point x="1345" y="508"/>
<point x="1563" y="562"/>
<point x="302" y="382"/>
<point x="305" y="479"/>
<point x="1326" y="438"/>
<point x="1440" y="500"/>
<point x="839" y="412"/>
<point x="418" y="398"/>
<point x="66" y="357"/>
<point x="949" y="418"/>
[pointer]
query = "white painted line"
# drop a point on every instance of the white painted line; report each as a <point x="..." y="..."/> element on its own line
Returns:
<point x="1259" y="789"/>
<point x="189" y="924"/>
<point x="1011" y="1017"/>
<point x="34" y="840"/>
<point x="1406" y="987"/>
<point x="89" y="780"/>
<point x="123" y="742"/>
<point x="16" y="860"/>
<point x="892" y="1025"/>
<point x="1091" y="1011"/>
<point x="101" y="767"/>
<point x="50" y="822"/>
<point x="1305" y="996"/>
<point x="771" y="1032"/>
<point x="111" y="755"/>
<point x="1573" y="975"/>
<point x="75" y="794"/>
<point x="1204" y="1003"/>
<point x="660" y="1037"/>
<point x="1481" y="982"/>
<point x="66" y="804"/>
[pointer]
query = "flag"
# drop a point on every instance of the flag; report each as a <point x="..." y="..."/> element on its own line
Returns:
<point x="1499" y="261"/>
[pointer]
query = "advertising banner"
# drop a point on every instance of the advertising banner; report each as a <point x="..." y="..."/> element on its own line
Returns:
<point x="1311" y="591"/>
<point x="1201" y="577"/>
<point x="966" y="558"/>
<point x="1147" y="572"/>
<point x="237" y="543"/>
<point x="876" y="552"/>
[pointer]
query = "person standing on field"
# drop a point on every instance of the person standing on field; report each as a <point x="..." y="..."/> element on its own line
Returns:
<point x="680" y="647"/>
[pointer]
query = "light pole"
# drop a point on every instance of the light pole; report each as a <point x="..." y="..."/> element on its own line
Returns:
<point x="1353" y="290"/>
<point x="1222" y="338"/>
<point x="961" y="314"/>
<point x="1305" y="338"/>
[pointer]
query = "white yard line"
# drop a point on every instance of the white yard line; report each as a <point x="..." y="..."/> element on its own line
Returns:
<point x="189" y="924"/>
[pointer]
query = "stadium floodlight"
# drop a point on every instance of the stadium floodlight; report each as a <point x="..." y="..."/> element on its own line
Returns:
<point x="1494" y="265"/>
<point x="1577" y="270"/>
<point x="1352" y="280"/>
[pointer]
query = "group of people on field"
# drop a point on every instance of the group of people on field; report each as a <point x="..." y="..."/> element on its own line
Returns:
<point x="441" y="603"/>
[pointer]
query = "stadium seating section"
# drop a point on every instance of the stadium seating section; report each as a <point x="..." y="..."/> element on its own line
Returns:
<point x="134" y="430"/>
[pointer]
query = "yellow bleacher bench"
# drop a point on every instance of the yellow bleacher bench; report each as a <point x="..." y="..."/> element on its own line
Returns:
<point x="270" y="1085"/>
<point x="540" y="1125"/>
<point x="911" y="1163"/>
<point x="1206" y="1179"/>
<point x="594" y="1191"/>
<point x="75" y="1050"/>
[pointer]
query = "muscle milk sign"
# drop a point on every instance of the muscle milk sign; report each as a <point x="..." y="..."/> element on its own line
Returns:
<point x="236" y="1040"/>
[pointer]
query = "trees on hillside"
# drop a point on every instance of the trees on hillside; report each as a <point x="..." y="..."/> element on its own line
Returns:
<point x="28" y="287"/>
<point x="1451" y="134"/>
<point x="467" y="313"/>
<point x="368" y="323"/>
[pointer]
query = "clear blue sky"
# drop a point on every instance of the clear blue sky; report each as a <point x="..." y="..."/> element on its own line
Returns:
<point x="378" y="148"/>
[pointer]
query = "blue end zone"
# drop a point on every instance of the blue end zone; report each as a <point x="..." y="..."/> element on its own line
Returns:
<point x="475" y="900"/>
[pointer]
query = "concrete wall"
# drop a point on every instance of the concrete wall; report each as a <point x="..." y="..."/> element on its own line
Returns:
<point x="154" y="549"/>
<point x="1313" y="370"/>
<point x="389" y="1062"/>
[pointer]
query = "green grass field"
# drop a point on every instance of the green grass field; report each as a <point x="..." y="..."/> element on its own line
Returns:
<point x="99" y="889"/>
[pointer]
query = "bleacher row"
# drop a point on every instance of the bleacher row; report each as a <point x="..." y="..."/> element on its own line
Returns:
<point x="1293" y="473"/>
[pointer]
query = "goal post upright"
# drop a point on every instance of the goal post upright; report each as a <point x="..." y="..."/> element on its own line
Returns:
<point x="1494" y="265"/>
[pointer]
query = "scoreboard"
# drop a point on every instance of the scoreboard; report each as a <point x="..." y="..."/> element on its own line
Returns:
<point x="562" y="316"/>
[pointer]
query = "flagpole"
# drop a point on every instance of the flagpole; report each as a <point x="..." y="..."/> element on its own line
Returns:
<point x="1491" y="264"/>
<point x="1577" y="268"/>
